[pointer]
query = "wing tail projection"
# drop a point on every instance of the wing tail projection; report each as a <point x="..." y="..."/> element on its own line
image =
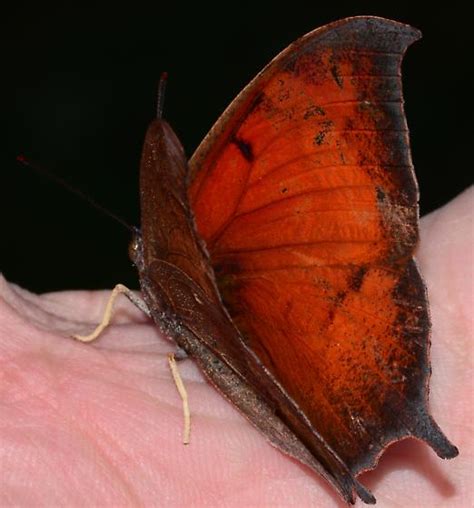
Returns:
<point x="305" y="195"/>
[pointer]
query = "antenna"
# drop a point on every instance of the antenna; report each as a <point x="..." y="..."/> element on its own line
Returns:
<point x="65" y="185"/>
<point x="160" y="97"/>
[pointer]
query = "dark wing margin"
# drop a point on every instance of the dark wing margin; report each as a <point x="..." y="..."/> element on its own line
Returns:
<point x="305" y="195"/>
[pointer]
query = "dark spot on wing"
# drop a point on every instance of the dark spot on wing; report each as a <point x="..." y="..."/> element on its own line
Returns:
<point x="357" y="278"/>
<point x="338" y="300"/>
<point x="337" y="76"/>
<point x="245" y="148"/>
<point x="340" y="296"/>
<point x="319" y="138"/>
<point x="381" y="196"/>
<point x="258" y="99"/>
<point x="326" y="127"/>
<point x="313" y="111"/>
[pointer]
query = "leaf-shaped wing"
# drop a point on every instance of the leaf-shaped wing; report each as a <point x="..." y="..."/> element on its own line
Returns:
<point x="305" y="195"/>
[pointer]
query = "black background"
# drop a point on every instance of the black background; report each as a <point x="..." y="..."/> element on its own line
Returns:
<point x="79" y="90"/>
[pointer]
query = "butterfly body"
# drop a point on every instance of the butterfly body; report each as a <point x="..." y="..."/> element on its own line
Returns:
<point x="282" y="260"/>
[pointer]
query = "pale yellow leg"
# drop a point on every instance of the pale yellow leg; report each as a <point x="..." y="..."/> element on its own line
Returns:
<point x="118" y="290"/>
<point x="121" y="289"/>
<point x="184" y="397"/>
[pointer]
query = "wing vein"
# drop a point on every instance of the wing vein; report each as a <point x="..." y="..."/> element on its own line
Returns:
<point x="305" y="193"/>
<point x="319" y="167"/>
<point x="252" y="250"/>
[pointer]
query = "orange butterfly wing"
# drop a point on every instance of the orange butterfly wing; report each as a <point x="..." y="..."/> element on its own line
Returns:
<point x="305" y="195"/>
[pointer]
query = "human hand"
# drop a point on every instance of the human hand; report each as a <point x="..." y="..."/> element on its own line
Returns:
<point x="101" y="424"/>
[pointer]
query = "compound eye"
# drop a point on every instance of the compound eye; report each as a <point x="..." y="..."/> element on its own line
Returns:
<point x="134" y="249"/>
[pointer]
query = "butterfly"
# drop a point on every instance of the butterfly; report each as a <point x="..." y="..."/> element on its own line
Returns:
<point x="280" y="258"/>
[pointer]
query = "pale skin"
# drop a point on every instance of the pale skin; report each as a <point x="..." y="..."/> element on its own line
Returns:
<point x="101" y="424"/>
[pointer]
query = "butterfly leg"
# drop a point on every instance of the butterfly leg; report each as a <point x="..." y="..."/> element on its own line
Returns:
<point x="119" y="289"/>
<point x="172" y="357"/>
<point x="183" y="394"/>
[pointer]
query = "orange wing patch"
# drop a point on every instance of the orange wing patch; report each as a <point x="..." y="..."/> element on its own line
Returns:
<point x="305" y="195"/>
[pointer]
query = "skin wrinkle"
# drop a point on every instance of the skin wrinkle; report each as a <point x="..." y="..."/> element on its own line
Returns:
<point x="98" y="435"/>
<point x="101" y="442"/>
